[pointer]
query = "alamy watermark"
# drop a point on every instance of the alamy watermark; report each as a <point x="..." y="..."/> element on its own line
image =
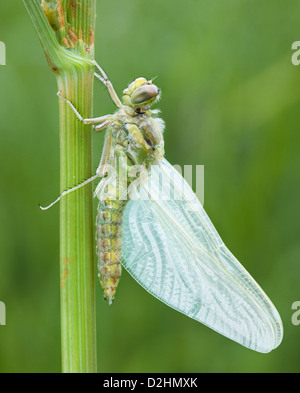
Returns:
<point x="296" y="314"/>
<point x="2" y="53"/>
<point x="295" y="56"/>
<point x="2" y="314"/>
<point x="164" y="182"/>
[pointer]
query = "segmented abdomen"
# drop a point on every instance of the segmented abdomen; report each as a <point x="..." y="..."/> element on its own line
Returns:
<point x="109" y="242"/>
<point x="128" y="143"/>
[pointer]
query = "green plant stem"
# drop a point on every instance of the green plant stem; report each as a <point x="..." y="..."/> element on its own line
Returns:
<point x="76" y="232"/>
<point x="68" y="45"/>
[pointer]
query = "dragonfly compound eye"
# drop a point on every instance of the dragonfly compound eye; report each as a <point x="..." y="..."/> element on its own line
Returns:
<point x="145" y="95"/>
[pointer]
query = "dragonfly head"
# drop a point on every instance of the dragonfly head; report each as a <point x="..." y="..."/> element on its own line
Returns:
<point x="140" y="93"/>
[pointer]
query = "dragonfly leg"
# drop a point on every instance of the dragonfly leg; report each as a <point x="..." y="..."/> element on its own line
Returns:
<point x="102" y="119"/>
<point x="102" y="170"/>
<point x="104" y="79"/>
<point x="101" y="126"/>
<point x="71" y="190"/>
<point x="106" y="163"/>
<point x="107" y="155"/>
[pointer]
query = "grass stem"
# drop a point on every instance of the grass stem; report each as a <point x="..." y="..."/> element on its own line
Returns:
<point x="66" y="31"/>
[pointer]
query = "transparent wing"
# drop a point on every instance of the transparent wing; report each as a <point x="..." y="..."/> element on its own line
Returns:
<point x="172" y="249"/>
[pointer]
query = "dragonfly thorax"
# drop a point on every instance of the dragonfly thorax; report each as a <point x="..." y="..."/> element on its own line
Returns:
<point x="140" y="93"/>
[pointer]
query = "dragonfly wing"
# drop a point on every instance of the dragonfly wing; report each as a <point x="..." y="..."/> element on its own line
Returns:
<point x="172" y="249"/>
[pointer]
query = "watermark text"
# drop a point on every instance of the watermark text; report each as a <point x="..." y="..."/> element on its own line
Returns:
<point x="296" y="314"/>
<point x="163" y="183"/>
<point x="2" y="53"/>
<point x="2" y="314"/>
<point x="296" y="55"/>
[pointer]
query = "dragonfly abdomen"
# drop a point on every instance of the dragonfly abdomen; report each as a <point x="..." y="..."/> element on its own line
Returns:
<point x="109" y="242"/>
<point x="132" y="144"/>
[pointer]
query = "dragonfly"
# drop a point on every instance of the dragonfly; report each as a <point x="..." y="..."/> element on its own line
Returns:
<point x="154" y="226"/>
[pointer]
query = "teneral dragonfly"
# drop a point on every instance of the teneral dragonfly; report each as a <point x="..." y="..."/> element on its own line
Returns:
<point x="158" y="230"/>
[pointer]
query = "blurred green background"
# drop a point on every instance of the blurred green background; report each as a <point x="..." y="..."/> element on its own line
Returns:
<point x="230" y="99"/>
